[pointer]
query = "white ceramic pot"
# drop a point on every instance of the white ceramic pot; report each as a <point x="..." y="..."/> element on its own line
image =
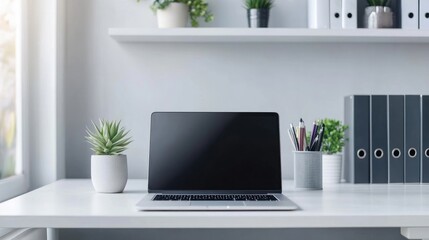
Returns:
<point x="174" y="16"/>
<point x="109" y="174"/>
<point x="378" y="17"/>
<point x="332" y="169"/>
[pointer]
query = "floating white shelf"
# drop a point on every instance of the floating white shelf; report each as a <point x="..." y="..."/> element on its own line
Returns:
<point x="295" y="35"/>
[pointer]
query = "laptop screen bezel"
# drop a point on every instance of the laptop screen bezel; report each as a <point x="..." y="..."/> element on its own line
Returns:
<point x="202" y="191"/>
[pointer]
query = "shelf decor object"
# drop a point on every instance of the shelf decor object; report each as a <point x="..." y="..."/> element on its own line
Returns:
<point x="176" y="13"/>
<point x="258" y="12"/>
<point x="378" y="15"/>
<point x="109" y="171"/>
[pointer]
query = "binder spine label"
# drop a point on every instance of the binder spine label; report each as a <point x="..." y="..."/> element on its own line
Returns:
<point x="349" y="14"/>
<point x="412" y="139"/>
<point x="361" y="121"/>
<point x="335" y="13"/>
<point x="410" y="14"/>
<point x="379" y="156"/>
<point x="424" y="14"/>
<point x="396" y="139"/>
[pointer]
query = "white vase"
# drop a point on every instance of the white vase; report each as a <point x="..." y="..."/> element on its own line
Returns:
<point x="174" y="16"/>
<point x="332" y="168"/>
<point x="378" y="17"/>
<point x="109" y="173"/>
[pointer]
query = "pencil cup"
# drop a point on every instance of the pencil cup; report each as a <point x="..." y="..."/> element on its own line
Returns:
<point x="308" y="170"/>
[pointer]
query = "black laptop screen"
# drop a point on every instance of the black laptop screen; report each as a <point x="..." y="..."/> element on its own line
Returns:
<point x="214" y="152"/>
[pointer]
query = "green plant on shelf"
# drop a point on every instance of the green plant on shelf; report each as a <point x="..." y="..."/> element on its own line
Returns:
<point x="334" y="136"/>
<point x="108" y="138"/>
<point x="378" y="3"/>
<point x="198" y="9"/>
<point x="258" y="4"/>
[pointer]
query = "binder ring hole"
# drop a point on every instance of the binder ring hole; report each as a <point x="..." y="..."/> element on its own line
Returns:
<point x="378" y="153"/>
<point x="361" y="153"/>
<point x="412" y="153"/>
<point x="337" y="15"/>
<point x="396" y="153"/>
<point x="349" y="15"/>
<point x="410" y="15"/>
<point x="427" y="152"/>
<point x="427" y="15"/>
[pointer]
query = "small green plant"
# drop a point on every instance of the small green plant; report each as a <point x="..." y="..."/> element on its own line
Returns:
<point x="197" y="9"/>
<point x="108" y="138"/>
<point x="258" y="4"/>
<point x="378" y="3"/>
<point x="333" y="140"/>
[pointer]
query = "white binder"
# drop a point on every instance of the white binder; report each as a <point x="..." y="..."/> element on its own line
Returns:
<point x="410" y="14"/>
<point x="335" y="14"/>
<point x="424" y="14"/>
<point x="349" y="13"/>
<point x="318" y="13"/>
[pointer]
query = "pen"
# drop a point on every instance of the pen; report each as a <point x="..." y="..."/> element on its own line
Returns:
<point x="314" y="144"/>
<point x="292" y="139"/>
<point x="313" y="134"/>
<point x="295" y="138"/>
<point x="322" y="132"/>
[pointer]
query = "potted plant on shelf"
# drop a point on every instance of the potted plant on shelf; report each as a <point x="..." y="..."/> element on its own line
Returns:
<point x="258" y="12"/>
<point x="333" y="143"/>
<point x="176" y="13"/>
<point x="378" y="14"/>
<point x="109" y="171"/>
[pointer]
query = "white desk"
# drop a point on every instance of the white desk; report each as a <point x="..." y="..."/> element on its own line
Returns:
<point x="74" y="204"/>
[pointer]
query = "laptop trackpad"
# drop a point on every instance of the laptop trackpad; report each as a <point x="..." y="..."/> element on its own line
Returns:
<point x="217" y="203"/>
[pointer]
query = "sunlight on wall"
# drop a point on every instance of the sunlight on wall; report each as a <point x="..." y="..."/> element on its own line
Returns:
<point x="7" y="87"/>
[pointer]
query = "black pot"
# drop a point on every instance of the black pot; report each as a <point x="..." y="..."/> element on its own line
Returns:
<point x="258" y="18"/>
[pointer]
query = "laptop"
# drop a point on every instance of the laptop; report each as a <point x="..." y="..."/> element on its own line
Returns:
<point x="202" y="161"/>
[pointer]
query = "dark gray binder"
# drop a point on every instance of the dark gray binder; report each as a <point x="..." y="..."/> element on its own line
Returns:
<point x="425" y="139"/>
<point x="412" y="138"/>
<point x="379" y="157"/>
<point x="396" y="139"/>
<point x="357" y="117"/>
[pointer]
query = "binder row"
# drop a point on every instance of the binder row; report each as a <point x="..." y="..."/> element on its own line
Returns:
<point x="335" y="14"/>
<point x="415" y="14"/>
<point x="388" y="139"/>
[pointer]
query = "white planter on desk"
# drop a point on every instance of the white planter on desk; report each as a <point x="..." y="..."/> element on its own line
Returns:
<point x="332" y="168"/>
<point x="174" y="16"/>
<point x="109" y="173"/>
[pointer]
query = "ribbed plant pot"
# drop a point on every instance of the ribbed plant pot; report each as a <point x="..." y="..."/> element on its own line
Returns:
<point x="332" y="165"/>
<point x="109" y="173"/>
<point x="175" y="15"/>
<point x="258" y="18"/>
<point x="378" y="17"/>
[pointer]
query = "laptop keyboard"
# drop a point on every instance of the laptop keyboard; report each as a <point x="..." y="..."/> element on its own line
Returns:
<point x="215" y="197"/>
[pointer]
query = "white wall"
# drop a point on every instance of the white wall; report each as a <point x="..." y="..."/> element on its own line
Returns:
<point x="107" y="79"/>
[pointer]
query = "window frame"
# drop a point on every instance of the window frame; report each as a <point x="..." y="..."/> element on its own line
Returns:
<point x="19" y="183"/>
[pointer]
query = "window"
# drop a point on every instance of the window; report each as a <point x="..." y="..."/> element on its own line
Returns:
<point x="8" y="76"/>
<point x="12" y="179"/>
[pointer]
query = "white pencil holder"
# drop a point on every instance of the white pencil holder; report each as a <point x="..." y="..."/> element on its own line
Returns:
<point x="308" y="170"/>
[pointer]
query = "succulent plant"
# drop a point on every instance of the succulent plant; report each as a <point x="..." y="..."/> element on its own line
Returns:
<point x="108" y="138"/>
<point x="378" y="3"/>
<point x="258" y="4"/>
